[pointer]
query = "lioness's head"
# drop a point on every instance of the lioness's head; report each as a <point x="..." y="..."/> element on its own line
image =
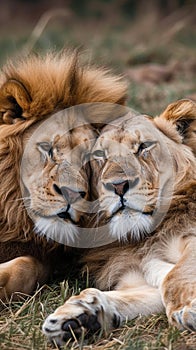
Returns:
<point x="141" y="166"/>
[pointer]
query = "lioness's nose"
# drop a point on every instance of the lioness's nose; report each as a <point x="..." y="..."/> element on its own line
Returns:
<point x="121" y="188"/>
<point x="69" y="194"/>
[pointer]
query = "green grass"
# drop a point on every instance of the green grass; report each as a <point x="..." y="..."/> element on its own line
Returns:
<point x="20" y="327"/>
<point x="118" y="46"/>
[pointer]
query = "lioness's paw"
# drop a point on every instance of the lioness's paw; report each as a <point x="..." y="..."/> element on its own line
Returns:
<point x="85" y="313"/>
<point x="185" y="318"/>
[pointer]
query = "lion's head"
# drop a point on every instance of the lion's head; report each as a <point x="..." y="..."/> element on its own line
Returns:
<point x="55" y="174"/>
<point x="143" y="168"/>
<point x="31" y="90"/>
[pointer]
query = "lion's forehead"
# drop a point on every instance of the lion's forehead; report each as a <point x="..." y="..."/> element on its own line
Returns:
<point x="73" y="137"/>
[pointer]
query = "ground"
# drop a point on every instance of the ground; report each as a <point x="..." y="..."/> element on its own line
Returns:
<point x="20" y="327"/>
<point x="157" y="57"/>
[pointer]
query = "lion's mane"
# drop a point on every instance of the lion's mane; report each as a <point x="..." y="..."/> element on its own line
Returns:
<point x="31" y="89"/>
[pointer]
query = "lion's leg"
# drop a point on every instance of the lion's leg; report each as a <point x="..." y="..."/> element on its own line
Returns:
<point x="179" y="288"/>
<point x="94" y="309"/>
<point x="20" y="275"/>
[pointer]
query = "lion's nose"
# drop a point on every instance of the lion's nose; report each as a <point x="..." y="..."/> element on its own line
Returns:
<point x="121" y="187"/>
<point x="69" y="194"/>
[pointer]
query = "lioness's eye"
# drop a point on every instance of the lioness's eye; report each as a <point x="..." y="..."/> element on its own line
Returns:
<point x="99" y="153"/>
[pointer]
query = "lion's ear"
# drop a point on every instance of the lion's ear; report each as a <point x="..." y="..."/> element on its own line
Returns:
<point x="14" y="101"/>
<point x="182" y="114"/>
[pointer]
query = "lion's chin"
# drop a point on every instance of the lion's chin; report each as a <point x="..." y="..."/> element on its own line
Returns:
<point x="63" y="232"/>
<point x="135" y="225"/>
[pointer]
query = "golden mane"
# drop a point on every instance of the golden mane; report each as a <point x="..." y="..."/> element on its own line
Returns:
<point x="32" y="89"/>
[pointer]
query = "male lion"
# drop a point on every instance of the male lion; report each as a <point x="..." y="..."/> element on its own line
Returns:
<point x="145" y="176"/>
<point x="31" y="90"/>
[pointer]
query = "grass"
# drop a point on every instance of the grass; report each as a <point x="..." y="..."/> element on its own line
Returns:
<point x="119" y="45"/>
<point x="20" y="327"/>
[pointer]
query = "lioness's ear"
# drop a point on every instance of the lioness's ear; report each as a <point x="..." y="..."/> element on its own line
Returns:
<point x="182" y="114"/>
<point x="14" y="101"/>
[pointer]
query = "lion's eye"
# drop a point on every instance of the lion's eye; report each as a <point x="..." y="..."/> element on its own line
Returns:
<point x="144" y="147"/>
<point x="99" y="154"/>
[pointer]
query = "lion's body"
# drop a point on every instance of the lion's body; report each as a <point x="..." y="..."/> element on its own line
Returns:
<point x="31" y="90"/>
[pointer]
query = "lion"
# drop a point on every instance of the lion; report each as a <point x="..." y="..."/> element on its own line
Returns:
<point x="40" y="205"/>
<point x="144" y="174"/>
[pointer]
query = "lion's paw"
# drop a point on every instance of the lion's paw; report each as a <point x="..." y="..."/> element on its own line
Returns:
<point x="61" y="331"/>
<point x="20" y="275"/>
<point x="81" y="314"/>
<point x="185" y="318"/>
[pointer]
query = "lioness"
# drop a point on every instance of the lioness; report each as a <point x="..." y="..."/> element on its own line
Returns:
<point x="144" y="174"/>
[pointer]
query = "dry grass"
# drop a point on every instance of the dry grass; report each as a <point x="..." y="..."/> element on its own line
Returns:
<point x="20" y="328"/>
<point x="119" y="45"/>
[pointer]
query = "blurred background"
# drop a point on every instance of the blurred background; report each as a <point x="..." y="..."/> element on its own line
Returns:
<point x="152" y="43"/>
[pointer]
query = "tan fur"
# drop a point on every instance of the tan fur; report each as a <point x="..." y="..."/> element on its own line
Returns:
<point x="16" y="276"/>
<point x="154" y="270"/>
<point x="31" y="89"/>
